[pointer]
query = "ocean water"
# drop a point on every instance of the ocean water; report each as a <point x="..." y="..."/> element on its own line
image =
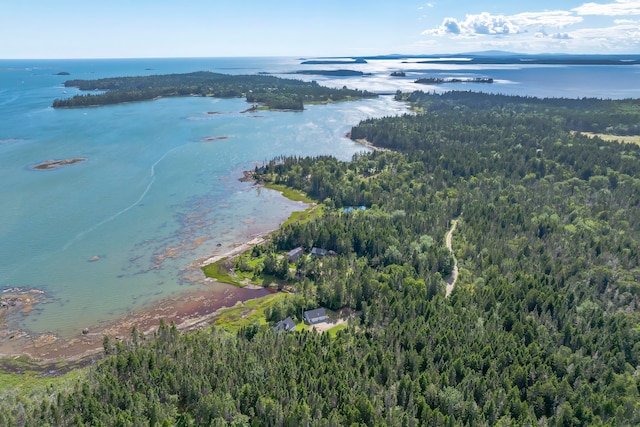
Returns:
<point x="154" y="195"/>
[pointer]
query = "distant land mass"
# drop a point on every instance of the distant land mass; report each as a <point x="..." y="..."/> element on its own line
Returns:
<point x="334" y="61"/>
<point x="532" y="60"/>
<point x="343" y="73"/>
<point x="501" y="57"/>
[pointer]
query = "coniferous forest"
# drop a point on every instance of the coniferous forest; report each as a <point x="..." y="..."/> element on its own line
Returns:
<point x="272" y="92"/>
<point x="542" y="327"/>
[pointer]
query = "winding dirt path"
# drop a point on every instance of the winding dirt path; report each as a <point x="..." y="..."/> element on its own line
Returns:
<point x="451" y="281"/>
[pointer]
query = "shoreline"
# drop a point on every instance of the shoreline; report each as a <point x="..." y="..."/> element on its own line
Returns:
<point x="189" y="310"/>
<point x="365" y="142"/>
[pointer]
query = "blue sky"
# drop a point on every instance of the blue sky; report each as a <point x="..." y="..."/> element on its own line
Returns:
<point x="209" y="28"/>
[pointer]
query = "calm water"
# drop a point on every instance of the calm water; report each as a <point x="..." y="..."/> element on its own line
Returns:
<point x="153" y="197"/>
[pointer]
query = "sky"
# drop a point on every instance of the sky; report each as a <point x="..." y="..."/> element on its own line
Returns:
<point x="228" y="28"/>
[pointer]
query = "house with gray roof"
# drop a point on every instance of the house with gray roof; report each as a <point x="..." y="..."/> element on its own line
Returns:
<point x="294" y="254"/>
<point x="319" y="252"/>
<point x="312" y="317"/>
<point x="285" y="325"/>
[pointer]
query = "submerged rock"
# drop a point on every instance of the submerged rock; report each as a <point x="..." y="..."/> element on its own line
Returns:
<point x="53" y="164"/>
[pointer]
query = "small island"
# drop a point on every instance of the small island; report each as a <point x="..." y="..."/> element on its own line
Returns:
<point x="213" y="138"/>
<point x="63" y="73"/>
<point x="398" y="74"/>
<point x="438" y="80"/>
<point x="54" y="164"/>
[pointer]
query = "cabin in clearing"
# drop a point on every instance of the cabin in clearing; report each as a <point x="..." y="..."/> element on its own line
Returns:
<point x="313" y="317"/>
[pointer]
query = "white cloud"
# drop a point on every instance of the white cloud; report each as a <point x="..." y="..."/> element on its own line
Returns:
<point x="427" y="5"/>
<point x="556" y="19"/>
<point x="620" y="38"/>
<point x="487" y="24"/>
<point x="555" y="36"/>
<point x="592" y="27"/>
<point x="627" y="30"/>
<point x="618" y="8"/>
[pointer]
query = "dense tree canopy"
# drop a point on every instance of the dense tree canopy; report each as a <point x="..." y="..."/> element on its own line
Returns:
<point x="542" y="328"/>
<point x="274" y="92"/>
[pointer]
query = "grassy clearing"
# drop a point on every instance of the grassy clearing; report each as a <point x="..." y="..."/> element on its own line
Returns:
<point x="220" y="272"/>
<point x="247" y="313"/>
<point x="290" y="193"/>
<point x="629" y="139"/>
<point x="305" y="215"/>
<point x="28" y="376"/>
<point x="333" y="331"/>
<point x="30" y="383"/>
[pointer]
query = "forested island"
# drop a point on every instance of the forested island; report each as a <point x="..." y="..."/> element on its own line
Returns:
<point x="542" y="327"/>
<point x="272" y="92"/>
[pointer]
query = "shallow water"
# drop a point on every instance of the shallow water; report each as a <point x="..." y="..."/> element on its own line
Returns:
<point x="154" y="195"/>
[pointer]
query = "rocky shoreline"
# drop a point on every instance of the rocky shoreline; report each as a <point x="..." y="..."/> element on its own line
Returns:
<point x="188" y="310"/>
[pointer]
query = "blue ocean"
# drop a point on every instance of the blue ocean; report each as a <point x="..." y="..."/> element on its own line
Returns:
<point x="160" y="188"/>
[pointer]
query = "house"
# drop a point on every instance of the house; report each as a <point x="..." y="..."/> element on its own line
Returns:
<point x="285" y="325"/>
<point x="294" y="254"/>
<point x="313" y="317"/>
<point x="318" y="252"/>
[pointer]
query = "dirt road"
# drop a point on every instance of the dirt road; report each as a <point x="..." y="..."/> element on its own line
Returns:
<point x="451" y="281"/>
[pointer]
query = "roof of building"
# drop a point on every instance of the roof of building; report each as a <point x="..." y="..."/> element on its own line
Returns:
<point x="318" y="251"/>
<point x="314" y="314"/>
<point x="285" y="325"/>
<point x="296" y="251"/>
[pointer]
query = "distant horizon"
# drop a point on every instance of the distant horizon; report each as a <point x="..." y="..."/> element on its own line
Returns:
<point x="73" y="29"/>
<point x="487" y="53"/>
